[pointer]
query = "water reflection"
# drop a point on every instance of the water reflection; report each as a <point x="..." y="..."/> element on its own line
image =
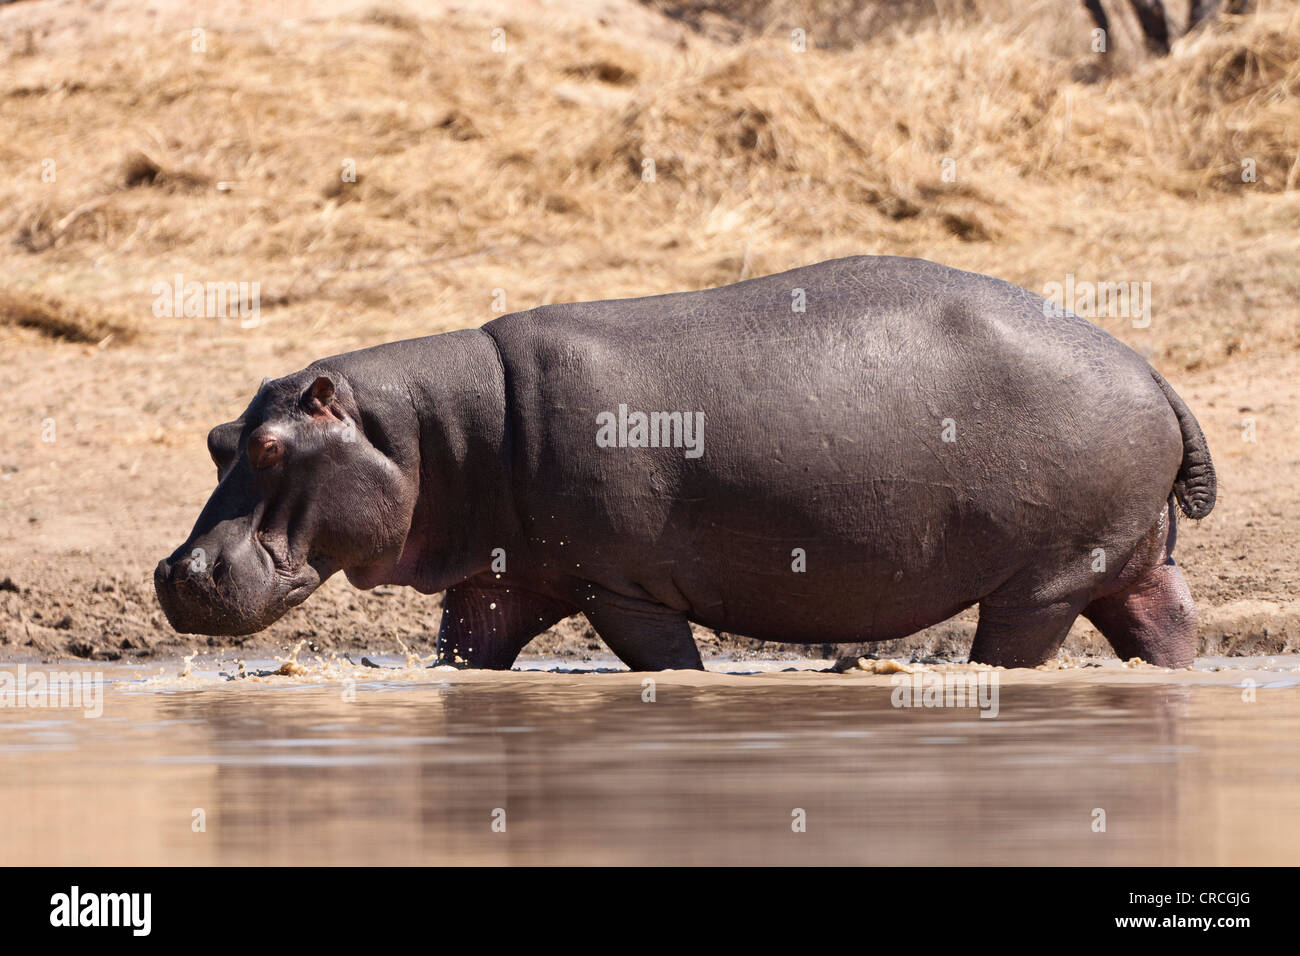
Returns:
<point x="712" y="771"/>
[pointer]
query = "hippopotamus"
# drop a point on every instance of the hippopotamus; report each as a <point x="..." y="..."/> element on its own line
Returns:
<point x="847" y="452"/>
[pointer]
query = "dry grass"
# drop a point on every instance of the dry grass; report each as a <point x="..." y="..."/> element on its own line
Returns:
<point x="1190" y="120"/>
<point x="57" y="318"/>
<point x="525" y="171"/>
<point x="522" y="171"/>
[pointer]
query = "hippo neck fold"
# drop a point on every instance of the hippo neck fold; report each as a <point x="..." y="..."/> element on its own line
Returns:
<point x="448" y="391"/>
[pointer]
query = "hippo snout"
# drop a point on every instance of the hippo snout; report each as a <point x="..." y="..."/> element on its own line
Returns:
<point x="187" y="590"/>
<point x="169" y="578"/>
<point x="234" y="591"/>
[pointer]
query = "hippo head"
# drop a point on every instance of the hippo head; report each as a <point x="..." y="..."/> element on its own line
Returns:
<point x="306" y="486"/>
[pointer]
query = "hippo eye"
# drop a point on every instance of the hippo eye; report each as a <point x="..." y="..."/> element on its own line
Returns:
<point x="264" y="451"/>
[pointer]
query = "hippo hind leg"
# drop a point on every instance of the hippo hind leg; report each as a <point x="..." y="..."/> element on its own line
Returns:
<point x="1154" y="618"/>
<point x="1150" y="613"/>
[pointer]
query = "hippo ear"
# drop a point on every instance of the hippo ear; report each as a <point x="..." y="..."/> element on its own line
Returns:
<point x="223" y="442"/>
<point x="320" y="394"/>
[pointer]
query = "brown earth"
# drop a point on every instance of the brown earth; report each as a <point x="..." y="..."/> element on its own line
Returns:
<point x="523" y="172"/>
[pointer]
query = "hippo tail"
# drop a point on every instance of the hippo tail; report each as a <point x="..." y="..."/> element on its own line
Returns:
<point x="1195" y="487"/>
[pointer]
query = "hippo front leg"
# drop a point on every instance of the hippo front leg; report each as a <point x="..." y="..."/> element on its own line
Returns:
<point x="487" y="625"/>
<point x="645" y="635"/>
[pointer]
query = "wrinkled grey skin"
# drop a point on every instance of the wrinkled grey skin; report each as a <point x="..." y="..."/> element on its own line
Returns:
<point x="410" y="463"/>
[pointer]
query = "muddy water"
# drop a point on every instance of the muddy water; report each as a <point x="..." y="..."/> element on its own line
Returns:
<point x="333" y="763"/>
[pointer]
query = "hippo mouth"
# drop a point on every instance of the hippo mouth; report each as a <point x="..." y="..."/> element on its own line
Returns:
<point x="234" y="584"/>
